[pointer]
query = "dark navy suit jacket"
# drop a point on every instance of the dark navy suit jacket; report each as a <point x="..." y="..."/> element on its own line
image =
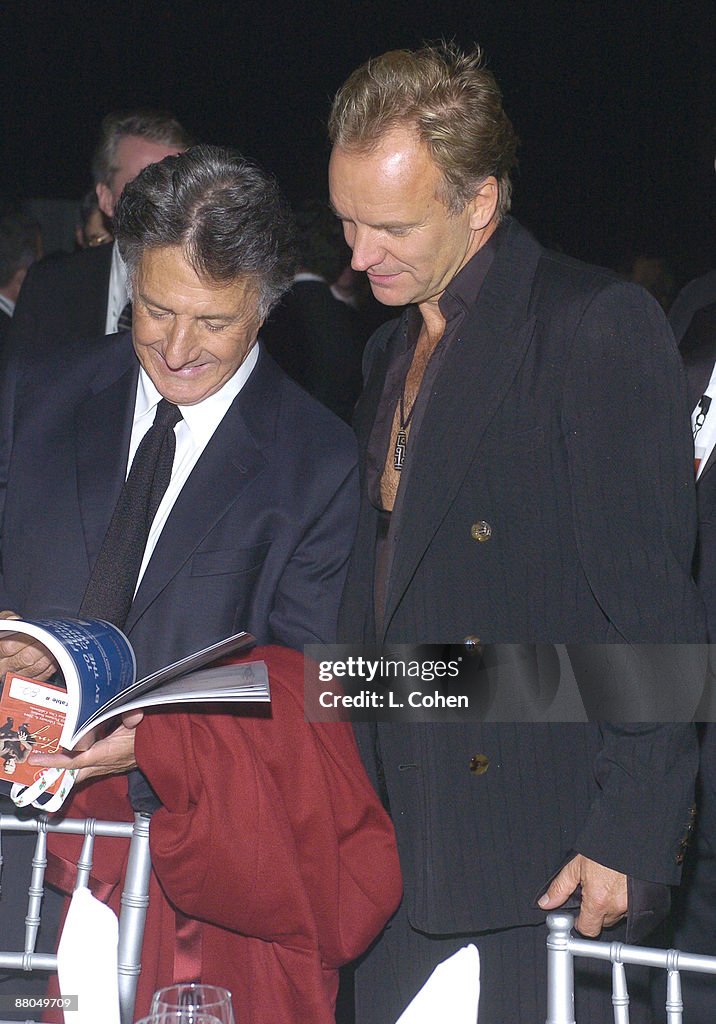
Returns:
<point x="258" y="538"/>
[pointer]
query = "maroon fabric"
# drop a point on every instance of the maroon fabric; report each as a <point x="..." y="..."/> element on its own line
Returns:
<point x="270" y="836"/>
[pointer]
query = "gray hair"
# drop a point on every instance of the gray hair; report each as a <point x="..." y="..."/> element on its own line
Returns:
<point x="227" y="215"/>
<point x="155" y="125"/>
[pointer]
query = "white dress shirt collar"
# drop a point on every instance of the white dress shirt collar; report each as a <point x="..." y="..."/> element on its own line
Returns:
<point x="119" y="291"/>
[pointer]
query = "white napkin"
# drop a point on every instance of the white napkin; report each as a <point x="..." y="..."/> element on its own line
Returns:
<point x="87" y="960"/>
<point x="451" y="993"/>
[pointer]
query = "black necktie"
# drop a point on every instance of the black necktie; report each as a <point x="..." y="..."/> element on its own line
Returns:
<point x="125" y="318"/>
<point x="111" y="586"/>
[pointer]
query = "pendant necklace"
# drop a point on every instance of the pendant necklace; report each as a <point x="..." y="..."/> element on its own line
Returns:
<point x="401" y="438"/>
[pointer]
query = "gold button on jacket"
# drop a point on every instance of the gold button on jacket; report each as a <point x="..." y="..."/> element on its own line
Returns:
<point x="479" y="764"/>
<point x="481" y="531"/>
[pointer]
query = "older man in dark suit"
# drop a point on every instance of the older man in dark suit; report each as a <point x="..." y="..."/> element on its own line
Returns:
<point x="174" y="480"/>
<point x="83" y="295"/>
<point x="255" y="524"/>
<point x="527" y="476"/>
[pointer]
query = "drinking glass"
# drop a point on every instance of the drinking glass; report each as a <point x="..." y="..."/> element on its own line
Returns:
<point x="194" y="998"/>
<point x="187" y="1016"/>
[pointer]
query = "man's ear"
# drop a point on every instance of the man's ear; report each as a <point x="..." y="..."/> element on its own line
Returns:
<point x="484" y="204"/>
<point x="105" y="199"/>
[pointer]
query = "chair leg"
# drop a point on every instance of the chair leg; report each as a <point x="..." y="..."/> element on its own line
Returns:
<point x="135" y="900"/>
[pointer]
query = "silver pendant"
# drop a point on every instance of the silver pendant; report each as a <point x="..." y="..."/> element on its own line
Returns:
<point x="399" y="450"/>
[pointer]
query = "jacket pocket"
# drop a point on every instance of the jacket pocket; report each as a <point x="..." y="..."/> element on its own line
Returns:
<point x="228" y="560"/>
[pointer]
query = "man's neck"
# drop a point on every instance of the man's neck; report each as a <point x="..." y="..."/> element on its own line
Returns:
<point x="433" y="323"/>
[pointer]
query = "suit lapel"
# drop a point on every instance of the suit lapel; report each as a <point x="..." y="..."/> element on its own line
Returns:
<point x="103" y="426"/>
<point x="710" y="463"/>
<point x="470" y="387"/>
<point x="698" y="365"/>
<point x="228" y="465"/>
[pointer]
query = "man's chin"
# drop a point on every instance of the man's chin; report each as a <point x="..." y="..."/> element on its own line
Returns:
<point x="387" y="297"/>
<point x="186" y="390"/>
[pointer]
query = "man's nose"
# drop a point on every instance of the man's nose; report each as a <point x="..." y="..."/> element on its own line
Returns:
<point x="181" y="342"/>
<point x="367" y="250"/>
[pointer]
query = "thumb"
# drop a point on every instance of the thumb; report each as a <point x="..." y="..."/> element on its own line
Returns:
<point x="562" y="886"/>
<point x="131" y="719"/>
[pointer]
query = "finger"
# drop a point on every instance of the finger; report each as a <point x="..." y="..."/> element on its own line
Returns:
<point x="131" y="719"/>
<point x="41" y="760"/>
<point x="561" y="887"/>
<point x="590" y="921"/>
<point x="604" y="901"/>
<point x="37" y="670"/>
<point x="589" y="924"/>
<point x="25" y="658"/>
<point x="10" y="645"/>
<point x="30" y="660"/>
<point x="599" y="915"/>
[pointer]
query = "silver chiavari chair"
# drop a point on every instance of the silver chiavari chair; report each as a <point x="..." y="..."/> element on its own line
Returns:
<point x="134" y="900"/>
<point x="563" y="946"/>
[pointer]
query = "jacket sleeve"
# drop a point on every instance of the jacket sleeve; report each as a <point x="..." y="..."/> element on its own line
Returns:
<point x="629" y="447"/>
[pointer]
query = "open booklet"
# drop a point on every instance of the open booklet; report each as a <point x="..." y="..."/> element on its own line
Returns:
<point x="98" y="672"/>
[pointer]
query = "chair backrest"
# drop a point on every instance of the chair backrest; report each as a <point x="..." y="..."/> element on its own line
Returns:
<point x="134" y="900"/>
<point x="563" y="946"/>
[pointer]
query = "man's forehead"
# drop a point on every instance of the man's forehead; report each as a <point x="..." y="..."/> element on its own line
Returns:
<point x="389" y="182"/>
<point x="135" y="152"/>
<point x="166" y="275"/>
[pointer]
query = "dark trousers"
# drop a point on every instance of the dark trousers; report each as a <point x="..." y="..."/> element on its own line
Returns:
<point x="695" y="929"/>
<point x="513" y="977"/>
<point x="694" y="914"/>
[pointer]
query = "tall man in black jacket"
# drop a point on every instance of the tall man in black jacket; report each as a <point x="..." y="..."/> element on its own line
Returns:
<point x="526" y="477"/>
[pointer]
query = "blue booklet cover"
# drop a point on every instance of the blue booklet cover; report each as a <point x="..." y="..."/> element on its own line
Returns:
<point x="99" y="672"/>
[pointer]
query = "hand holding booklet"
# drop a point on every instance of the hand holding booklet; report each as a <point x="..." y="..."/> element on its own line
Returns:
<point x="98" y="670"/>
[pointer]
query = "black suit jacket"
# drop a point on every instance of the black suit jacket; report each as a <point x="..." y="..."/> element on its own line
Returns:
<point x="318" y="340"/>
<point x="258" y="538"/>
<point x="558" y="418"/>
<point x="63" y="298"/>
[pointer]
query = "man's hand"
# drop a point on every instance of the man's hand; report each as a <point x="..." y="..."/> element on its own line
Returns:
<point x="604" y="894"/>
<point x="24" y="655"/>
<point x="111" y="755"/>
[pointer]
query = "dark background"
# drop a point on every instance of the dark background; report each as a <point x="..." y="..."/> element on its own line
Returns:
<point x="613" y="101"/>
